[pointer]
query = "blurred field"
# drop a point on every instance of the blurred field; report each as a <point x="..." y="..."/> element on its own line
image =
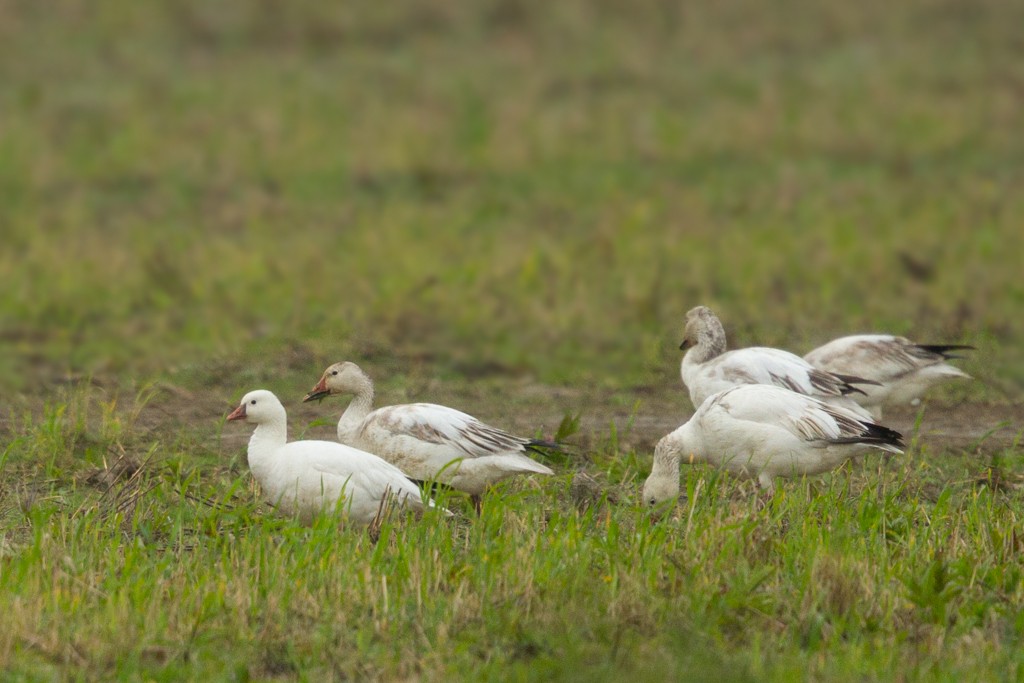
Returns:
<point x="506" y="206"/>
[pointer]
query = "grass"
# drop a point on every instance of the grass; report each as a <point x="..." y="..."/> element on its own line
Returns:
<point x="175" y="570"/>
<point x="504" y="206"/>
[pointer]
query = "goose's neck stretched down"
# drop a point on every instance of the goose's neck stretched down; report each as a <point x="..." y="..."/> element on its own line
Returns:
<point x="687" y="447"/>
<point x="666" y="463"/>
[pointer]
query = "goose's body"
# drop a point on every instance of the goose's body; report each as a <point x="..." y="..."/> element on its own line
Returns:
<point x="763" y="432"/>
<point x="306" y="478"/>
<point x="427" y="441"/>
<point x="708" y="368"/>
<point x="901" y="369"/>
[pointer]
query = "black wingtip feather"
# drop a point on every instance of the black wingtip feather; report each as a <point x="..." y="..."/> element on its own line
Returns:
<point x="884" y="434"/>
<point x="539" y="446"/>
<point x="430" y="486"/>
<point x="849" y="381"/>
<point x="875" y="433"/>
<point x="853" y="379"/>
<point x="944" y="349"/>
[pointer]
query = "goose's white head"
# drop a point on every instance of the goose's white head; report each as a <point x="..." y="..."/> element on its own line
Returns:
<point x="663" y="484"/>
<point x="340" y="378"/>
<point x="258" y="407"/>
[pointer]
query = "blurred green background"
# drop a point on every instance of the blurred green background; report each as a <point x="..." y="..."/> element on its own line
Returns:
<point x="505" y="187"/>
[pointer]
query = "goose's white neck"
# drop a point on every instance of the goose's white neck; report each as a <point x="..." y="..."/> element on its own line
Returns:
<point x="358" y="409"/>
<point x="264" y="442"/>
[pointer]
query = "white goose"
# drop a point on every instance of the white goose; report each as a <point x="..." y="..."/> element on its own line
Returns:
<point x="428" y="441"/>
<point x="305" y="478"/>
<point x="708" y="368"/>
<point x="761" y="431"/>
<point x="902" y="369"/>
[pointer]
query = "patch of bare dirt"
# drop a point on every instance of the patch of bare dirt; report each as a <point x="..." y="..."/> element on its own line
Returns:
<point x="640" y="415"/>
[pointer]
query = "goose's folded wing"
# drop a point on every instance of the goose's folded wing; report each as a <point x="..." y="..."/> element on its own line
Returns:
<point x="783" y="369"/>
<point x="379" y="482"/>
<point x="346" y="466"/>
<point x="442" y="426"/>
<point x="804" y="416"/>
<point x="879" y="357"/>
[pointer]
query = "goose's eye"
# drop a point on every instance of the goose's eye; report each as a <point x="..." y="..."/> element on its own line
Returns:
<point x="252" y="402"/>
<point x="334" y="372"/>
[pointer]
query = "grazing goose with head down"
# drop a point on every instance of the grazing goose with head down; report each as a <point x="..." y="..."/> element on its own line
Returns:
<point x="428" y="441"/>
<point x="901" y="369"/>
<point x="762" y="432"/>
<point x="708" y="367"/>
<point x="305" y="478"/>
